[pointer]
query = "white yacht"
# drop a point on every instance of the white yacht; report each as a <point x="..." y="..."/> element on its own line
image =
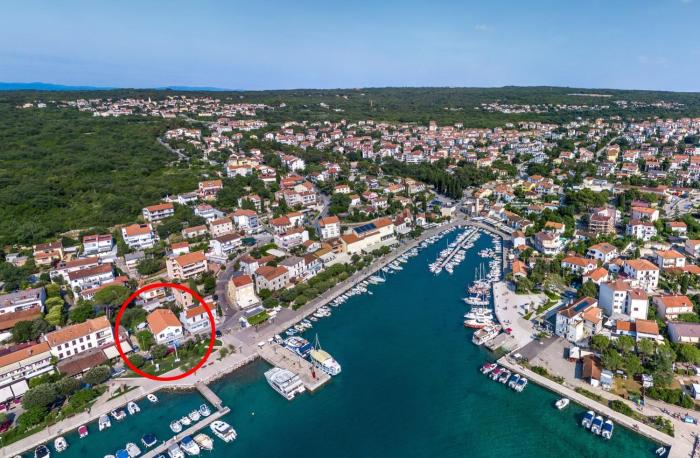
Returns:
<point x="189" y="446"/>
<point x="133" y="450"/>
<point x="104" y="422"/>
<point x="608" y="428"/>
<point x="42" y="451"/>
<point x="483" y="335"/>
<point x="223" y="430"/>
<point x="118" y="414"/>
<point x="186" y="421"/>
<point x="324" y="360"/>
<point x="174" y="451"/>
<point x="60" y="444"/>
<point x="204" y="441"/>
<point x="175" y="426"/>
<point x="194" y="415"/>
<point x="133" y="408"/>
<point x="204" y="410"/>
<point x="285" y="382"/>
<point x="562" y="403"/>
<point x="152" y="397"/>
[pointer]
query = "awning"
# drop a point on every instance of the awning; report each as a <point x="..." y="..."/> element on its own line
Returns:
<point x="20" y="388"/>
<point x="112" y="352"/>
<point x="6" y="394"/>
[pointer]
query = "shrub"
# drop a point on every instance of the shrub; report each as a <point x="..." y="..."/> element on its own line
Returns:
<point x="97" y="375"/>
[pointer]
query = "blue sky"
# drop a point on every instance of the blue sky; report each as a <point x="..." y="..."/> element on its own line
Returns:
<point x="262" y="44"/>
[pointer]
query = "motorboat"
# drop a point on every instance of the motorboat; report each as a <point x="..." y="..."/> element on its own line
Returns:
<point x="608" y="428"/>
<point x="82" y="431"/>
<point x="488" y="367"/>
<point x="133" y="408"/>
<point x="185" y="421"/>
<point x="110" y="456"/>
<point x="189" y="446"/>
<point x="118" y="414"/>
<point x="121" y="453"/>
<point x="205" y="442"/>
<point x="152" y="397"/>
<point x="661" y="451"/>
<point x="597" y="425"/>
<point x="562" y="403"/>
<point x="204" y="410"/>
<point x="481" y="336"/>
<point x="520" y="386"/>
<point x="285" y="382"/>
<point x="175" y="426"/>
<point x="133" y="450"/>
<point x="588" y="419"/>
<point x="298" y="345"/>
<point x="174" y="451"/>
<point x="223" y="430"/>
<point x="42" y="451"/>
<point x="60" y="444"/>
<point x="194" y="415"/>
<point x="324" y="360"/>
<point x="149" y="440"/>
<point x="513" y="382"/>
<point x="104" y="422"/>
<point x="505" y="375"/>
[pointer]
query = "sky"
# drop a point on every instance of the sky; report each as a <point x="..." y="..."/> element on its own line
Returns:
<point x="263" y="44"/>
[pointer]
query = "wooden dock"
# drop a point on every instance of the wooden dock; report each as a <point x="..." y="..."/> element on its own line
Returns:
<point x="191" y="431"/>
<point x="313" y="378"/>
<point x="210" y="396"/>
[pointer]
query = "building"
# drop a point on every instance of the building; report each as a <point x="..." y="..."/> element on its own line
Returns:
<point x="643" y="273"/>
<point x="91" y="277"/>
<point x="669" y="259"/>
<point x="139" y="236"/>
<point x="578" y="265"/>
<point x="164" y="326"/>
<point x="547" y="243"/>
<point x="368" y="237"/>
<point x="221" y="226"/>
<point x="196" y="320"/>
<point x="19" y="366"/>
<point x="684" y="332"/>
<point x="641" y="230"/>
<point x="194" y="232"/>
<point x="208" y="189"/>
<point x="692" y="247"/>
<point x="246" y="220"/>
<point x="158" y="212"/>
<point x="621" y="298"/>
<point x="640" y="329"/>
<point x="579" y="320"/>
<point x="79" y="338"/>
<point x="678" y="228"/>
<point x="46" y="253"/>
<point x="604" y="252"/>
<point x="23" y="300"/>
<point x="224" y="245"/>
<point x="95" y="244"/>
<point x="670" y="307"/>
<point x="186" y="266"/>
<point x="64" y="268"/>
<point x="295" y="265"/>
<point x="291" y="238"/>
<point x="241" y="292"/>
<point x="603" y="220"/>
<point x="597" y="276"/>
<point x="644" y="214"/>
<point x="329" y="227"/>
<point x="271" y="278"/>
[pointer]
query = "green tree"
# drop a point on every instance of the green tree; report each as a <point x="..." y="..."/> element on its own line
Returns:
<point x="612" y="359"/>
<point x="114" y="295"/>
<point x="55" y="315"/>
<point x="52" y="302"/>
<point x="589" y="289"/>
<point x="600" y="342"/>
<point x="624" y="343"/>
<point x="137" y="360"/>
<point x="159" y="351"/>
<point x="22" y="331"/>
<point x="81" y="312"/>
<point x="40" y="397"/>
<point x="31" y="417"/>
<point x="39" y="328"/>
<point x="633" y="365"/>
<point x="145" y="339"/>
<point x="67" y="386"/>
<point x="689" y="353"/>
<point x="97" y="375"/>
<point x="646" y="347"/>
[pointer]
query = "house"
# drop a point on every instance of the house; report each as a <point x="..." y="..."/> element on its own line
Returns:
<point x="684" y="332"/>
<point x="241" y="292"/>
<point x="639" y="329"/>
<point x="579" y="320"/>
<point x="82" y="337"/>
<point x="226" y="244"/>
<point x="158" y="212"/>
<point x="91" y="277"/>
<point x="291" y="238"/>
<point x="23" y="300"/>
<point x="621" y="298"/>
<point x="280" y="225"/>
<point x="578" y="265"/>
<point x="670" y="306"/>
<point x="518" y="268"/>
<point x="271" y="278"/>
<point x="555" y="227"/>
<point x="603" y="220"/>
<point x="219" y="227"/>
<point x="692" y="248"/>
<point x="547" y="243"/>
<point x="99" y="243"/>
<point x="604" y="252"/>
<point x="196" y="319"/>
<point x="179" y="248"/>
<point x="329" y="227"/>
<point x="186" y="266"/>
<point x="591" y="370"/>
<point x="246" y="220"/>
<point x="641" y="230"/>
<point x="47" y="253"/>
<point x="207" y="190"/>
<point x="164" y="326"/>
<point x="194" y="232"/>
<point x="208" y="212"/>
<point x="19" y="366"/>
<point x="678" y="228"/>
<point x="132" y="260"/>
<point x="669" y="259"/>
<point x="643" y="273"/>
<point x="644" y="214"/>
<point x="139" y="236"/>
<point x="295" y="265"/>
<point x="597" y="276"/>
<point x="63" y="268"/>
<point x="342" y="189"/>
<point x="369" y="236"/>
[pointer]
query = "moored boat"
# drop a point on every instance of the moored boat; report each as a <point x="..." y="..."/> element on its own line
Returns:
<point x="608" y="428"/>
<point x="118" y="414"/>
<point x="174" y="451"/>
<point x="520" y="386"/>
<point x="488" y="367"/>
<point x="194" y="415"/>
<point x="597" y="425"/>
<point x="505" y="375"/>
<point x="512" y="383"/>
<point x="60" y="444"/>
<point x="149" y="440"/>
<point x="152" y="397"/>
<point x="298" y="345"/>
<point x="175" y="426"/>
<point x="223" y="430"/>
<point x="133" y="450"/>
<point x="189" y="446"/>
<point x="588" y="419"/>
<point x="82" y="431"/>
<point x="133" y="408"/>
<point x="42" y="451"/>
<point x="185" y="421"/>
<point x="104" y="422"/>
<point x="562" y="403"/>
<point x="285" y="382"/>
<point x="204" y="410"/>
<point x="121" y="453"/>
<point x="204" y="441"/>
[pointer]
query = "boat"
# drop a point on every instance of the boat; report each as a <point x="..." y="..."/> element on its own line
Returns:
<point x="185" y="421"/>
<point x="133" y="408"/>
<point x="505" y="375"/>
<point x="204" y="410"/>
<point x="608" y="428"/>
<point x="194" y="415"/>
<point x="149" y="440"/>
<point x="496" y="373"/>
<point x="223" y="430"/>
<point x="485" y="334"/>
<point x="104" y="422"/>
<point x="488" y="367"/>
<point x="513" y="382"/>
<point x="60" y="444"/>
<point x="285" y="382"/>
<point x="661" y="451"/>
<point x="118" y="414"/>
<point x="42" y="451"/>
<point x="133" y="450"/>
<point x="562" y="403"/>
<point x="588" y="419"/>
<point x="82" y="431"/>
<point x="204" y="441"/>
<point x="298" y="345"/>
<point x="323" y="360"/>
<point x="175" y="426"/>
<point x="189" y="446"/>
<point x="152" y="397"/>
<point x="520" y="386"/>
<point x="597" y="424"/>
<point x="121" y="453"/>
<point x="174" y="451"/>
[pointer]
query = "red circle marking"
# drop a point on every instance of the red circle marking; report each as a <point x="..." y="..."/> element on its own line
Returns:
<point x="210" y="348"/>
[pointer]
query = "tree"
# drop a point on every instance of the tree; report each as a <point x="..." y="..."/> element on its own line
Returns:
<point x="612" y="359"/>
<point x="39" y="328"/>
<point x="67" y="386"/>
<point x="589" y="289"/>
<point x="624" y="343"/>
<point x="689" y="353"/>
<point x="646" y="347"/>
<point x="159" y="351"/>
<point x="137" y="360"/>
<point x="52" y="302"/>
<point x="132" y="317"/>
<point x="55" y="315"/>
<point x="633" y="365"/>
<point x="81" y="312"/>
<point x="22" y="331"/>
<point x="114" y="295"/>
<point x="339" y="204"/>
<point x="40" y="397"/>
<point x="31" y="417"/>
<point x="97" y="375"/>
<point x="600" y="343"/>
<point x="145" y="339"/>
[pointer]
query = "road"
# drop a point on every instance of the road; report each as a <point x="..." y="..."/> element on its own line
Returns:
<point x="180" y="154"/>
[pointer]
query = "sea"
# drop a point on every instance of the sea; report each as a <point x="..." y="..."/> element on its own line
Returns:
<point x="409" y="387"/>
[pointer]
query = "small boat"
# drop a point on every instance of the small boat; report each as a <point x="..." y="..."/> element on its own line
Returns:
<point x="223" y="431"/>
<point x="588" y="419"/>
<point x="488" y="367"/>
<point x="186" y="420"/>
<point x="152" y="397"/>
<point x="118" y="414"/>
<point x="133" y="408"/>
<point x="608" y="428"/>
<point x="104" y="422"/>
<point x="204" y="410"/>
<point x="505" y="375"/>
<point x="42" y="451"/>
<point x="597" y="425"/>
<point x="513" y="382"/>
<point x="82" y="431"/>
<point x="121" y="453"/>
<point x="189" y="446"/>
<point x="174" y="451"/>
<point x="194" y="415"/>
<point x="60" y="444"/>
<point x="204" y="441"/>
<point x="149" y="440"/>
<point x="520" y="386"/>
<point x="133" y="450"/>
<point x="562" y="403"/>
<point x="175" y="426"/>
<point x="661" y="451"/>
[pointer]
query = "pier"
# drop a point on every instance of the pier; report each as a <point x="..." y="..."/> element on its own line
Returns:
<point x="191" y="431"/>
<point x="470" y="238"/>
<point x="210" y="396"/>
<point x="278" y="356"/>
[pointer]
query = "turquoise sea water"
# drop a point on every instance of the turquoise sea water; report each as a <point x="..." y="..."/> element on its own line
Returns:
<point x="410" y="387"/>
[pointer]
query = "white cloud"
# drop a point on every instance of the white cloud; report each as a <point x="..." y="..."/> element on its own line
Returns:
<point x="482" y="27"/>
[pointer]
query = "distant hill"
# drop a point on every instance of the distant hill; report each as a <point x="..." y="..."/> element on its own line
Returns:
<point x="39" y="86"/>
